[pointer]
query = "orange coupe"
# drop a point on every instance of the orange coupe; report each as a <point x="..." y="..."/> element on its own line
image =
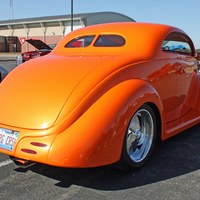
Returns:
<point x="102" y="96"/>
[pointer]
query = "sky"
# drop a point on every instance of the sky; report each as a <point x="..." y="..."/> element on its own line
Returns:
<point x="183" y="14"/>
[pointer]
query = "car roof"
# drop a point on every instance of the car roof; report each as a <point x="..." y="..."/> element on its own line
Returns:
<point x="143" y="38"/>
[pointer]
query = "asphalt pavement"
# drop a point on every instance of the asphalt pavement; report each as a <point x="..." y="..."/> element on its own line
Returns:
<point x="173" y="172"/>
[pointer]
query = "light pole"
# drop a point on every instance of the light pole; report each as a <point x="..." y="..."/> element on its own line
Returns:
<point x="71" y="15"/>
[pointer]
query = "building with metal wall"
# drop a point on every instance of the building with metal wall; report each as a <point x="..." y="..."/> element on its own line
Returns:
<point x="49" y="29"/>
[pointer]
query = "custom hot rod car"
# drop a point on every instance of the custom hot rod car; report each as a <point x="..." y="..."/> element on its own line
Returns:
<point x="94" y="100"/>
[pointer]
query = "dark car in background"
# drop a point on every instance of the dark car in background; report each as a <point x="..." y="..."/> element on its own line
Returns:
<point x="42" y="49"/>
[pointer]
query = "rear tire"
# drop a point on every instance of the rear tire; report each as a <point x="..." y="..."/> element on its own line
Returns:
<point x="139" y="139"/>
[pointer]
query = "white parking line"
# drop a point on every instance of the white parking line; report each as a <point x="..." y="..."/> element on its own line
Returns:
<point x="6" y="162"/>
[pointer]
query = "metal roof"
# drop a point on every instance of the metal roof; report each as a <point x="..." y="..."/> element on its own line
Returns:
<point x="54" y="18"/>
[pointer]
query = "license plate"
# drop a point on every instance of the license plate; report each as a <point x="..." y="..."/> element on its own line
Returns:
<point x="8" y="138"/>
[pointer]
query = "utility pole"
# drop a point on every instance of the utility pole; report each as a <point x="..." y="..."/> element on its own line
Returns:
<point x="11" y="15"/>
<point x="72" y="15"/>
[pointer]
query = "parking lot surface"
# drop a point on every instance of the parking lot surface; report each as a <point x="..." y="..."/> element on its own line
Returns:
<point x="173" y="172"/>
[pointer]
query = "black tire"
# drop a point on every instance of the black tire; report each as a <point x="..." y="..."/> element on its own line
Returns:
<point x="139" y="139"/>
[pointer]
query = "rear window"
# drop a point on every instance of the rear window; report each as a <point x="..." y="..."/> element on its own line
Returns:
<point x="80" y="42"/>
<point x="102" y="41"/>
<point x="109" y="41"/>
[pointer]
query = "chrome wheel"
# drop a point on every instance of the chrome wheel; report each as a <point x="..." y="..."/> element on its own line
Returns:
<point x="139" y="139"/>
<point x="140" y="134"/>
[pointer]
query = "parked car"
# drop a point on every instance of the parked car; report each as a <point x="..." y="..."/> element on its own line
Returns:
<point x="3" y="73"/>
<point x="94" y="99"/>
<point x="42" y="49"/>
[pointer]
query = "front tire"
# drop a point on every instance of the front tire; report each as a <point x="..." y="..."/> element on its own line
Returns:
<point x="139" y="139"/>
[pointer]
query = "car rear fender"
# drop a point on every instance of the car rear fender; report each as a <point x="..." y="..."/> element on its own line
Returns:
<point x="96" y="137"/>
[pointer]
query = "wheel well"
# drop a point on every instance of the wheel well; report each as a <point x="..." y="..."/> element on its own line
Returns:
<point x="158" y="120"/>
